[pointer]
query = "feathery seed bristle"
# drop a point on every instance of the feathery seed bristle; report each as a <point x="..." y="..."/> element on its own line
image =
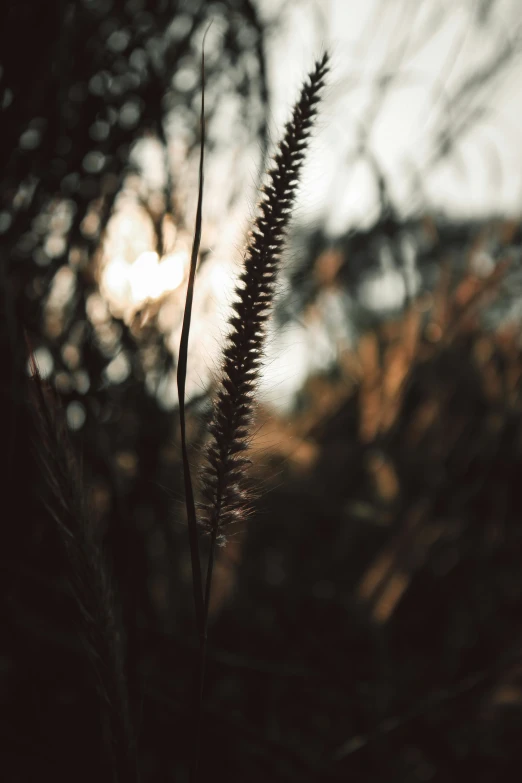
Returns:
<point x="224" y="488"/>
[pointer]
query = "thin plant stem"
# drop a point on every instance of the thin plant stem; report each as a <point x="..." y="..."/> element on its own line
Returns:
<point x="197" y="585"/>
<point x="203" y="659"/>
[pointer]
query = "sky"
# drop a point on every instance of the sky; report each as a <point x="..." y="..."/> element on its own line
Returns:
<point x="432" y="49"/>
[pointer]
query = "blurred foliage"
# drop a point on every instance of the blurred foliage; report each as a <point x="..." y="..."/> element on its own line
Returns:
<point x="80" y="84"/>
<point x="383" y="567"/>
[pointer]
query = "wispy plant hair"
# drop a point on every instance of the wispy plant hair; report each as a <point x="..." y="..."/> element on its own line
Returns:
<point x="224" y="488"/>
<point x="87" y="574"/>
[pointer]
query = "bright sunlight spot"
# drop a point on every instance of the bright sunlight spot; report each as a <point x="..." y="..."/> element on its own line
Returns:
<point x="147" y="278"/>
<point x="131" y="272"/>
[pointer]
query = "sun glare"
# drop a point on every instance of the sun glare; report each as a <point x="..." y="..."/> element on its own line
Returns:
<point x="131" y="273"/>
<point x="147" y="278"/>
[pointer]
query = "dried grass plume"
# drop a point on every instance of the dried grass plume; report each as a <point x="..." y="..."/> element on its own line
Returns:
<point x="224" y="488"/>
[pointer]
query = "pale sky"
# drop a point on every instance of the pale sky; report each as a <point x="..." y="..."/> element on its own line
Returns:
<point x="435" y="46"/>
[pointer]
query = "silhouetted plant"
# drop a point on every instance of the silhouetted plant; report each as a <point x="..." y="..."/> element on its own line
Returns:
<point x="87" y="574"/>
<point x="224" y="476"/>
<point x="223" y="480"/>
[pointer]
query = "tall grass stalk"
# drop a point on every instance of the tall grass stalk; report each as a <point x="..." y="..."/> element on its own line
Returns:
<point x="88" y="578"/>
<point x="224" y="489"/>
